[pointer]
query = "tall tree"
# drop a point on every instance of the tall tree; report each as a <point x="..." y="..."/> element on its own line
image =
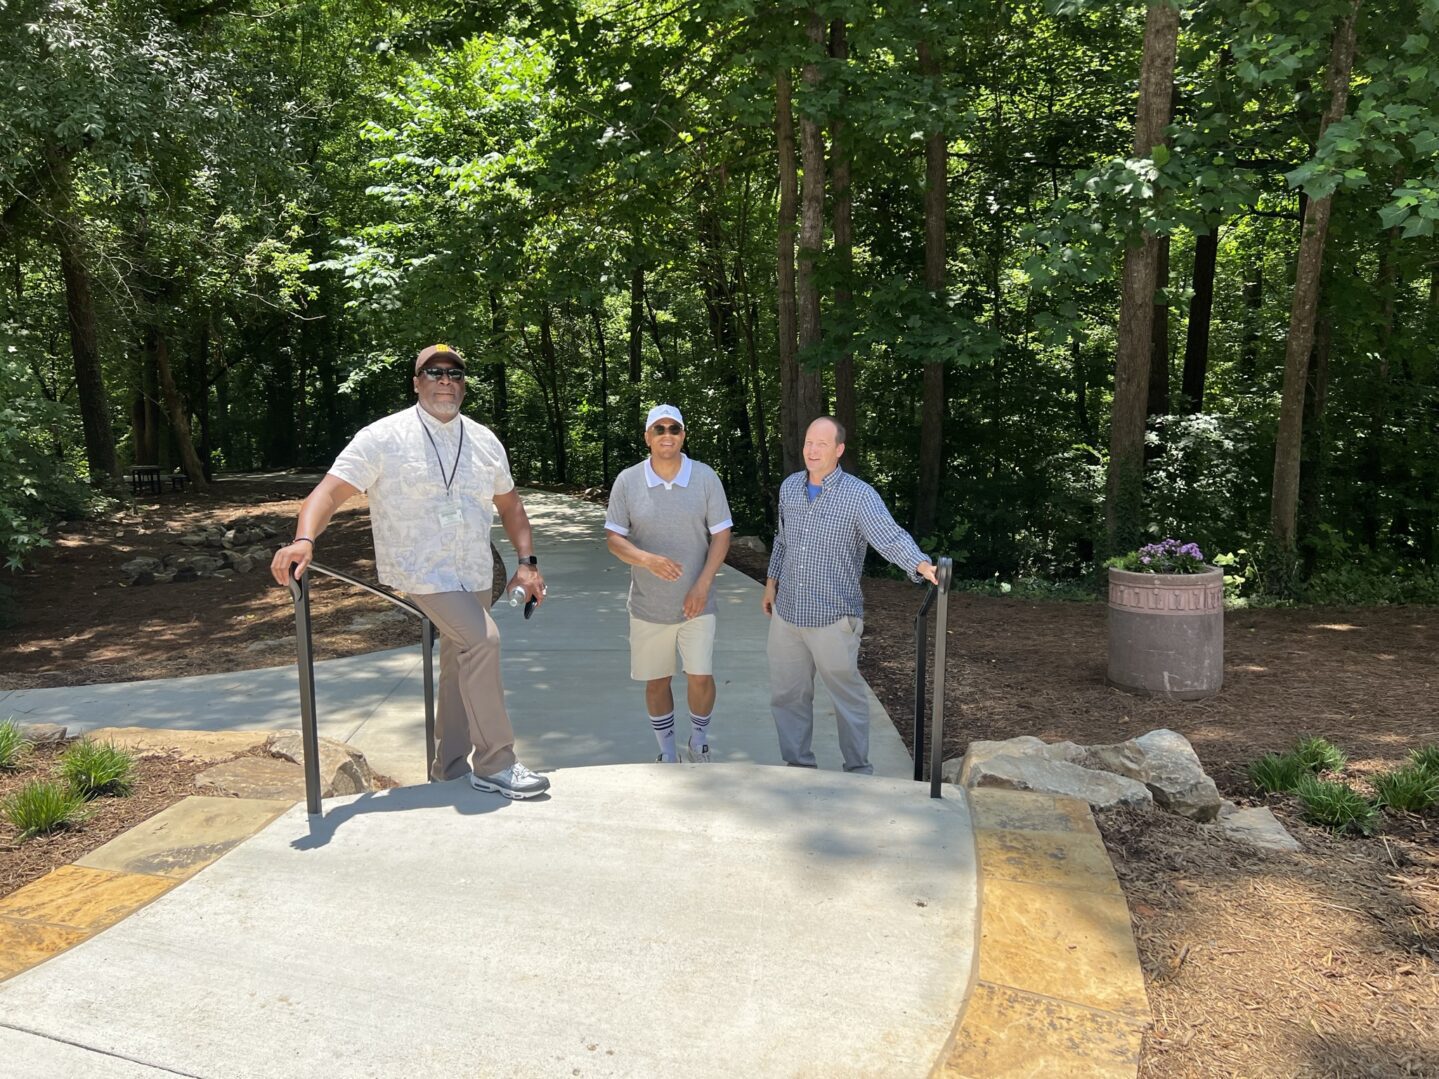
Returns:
<point x="931" y="421"/>
<point x="846" y="403"/>
<point x="791" y="395"/>
<point x="1124" y="490"/>
<point x="1284" y="493"/>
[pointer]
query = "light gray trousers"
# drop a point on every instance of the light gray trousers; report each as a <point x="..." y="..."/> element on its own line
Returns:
<point x="796" y="653"/>
<point x="470" y="710"/>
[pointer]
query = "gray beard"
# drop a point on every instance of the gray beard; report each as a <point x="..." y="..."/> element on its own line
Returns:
<point x="442" y="410"/>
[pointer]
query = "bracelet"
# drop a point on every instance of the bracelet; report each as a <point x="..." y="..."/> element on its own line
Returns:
<point x="303" y="539"/>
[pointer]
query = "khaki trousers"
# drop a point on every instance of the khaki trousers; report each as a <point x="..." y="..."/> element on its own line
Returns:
<point x="470" y="716"/>
<point x="796" y="654"/>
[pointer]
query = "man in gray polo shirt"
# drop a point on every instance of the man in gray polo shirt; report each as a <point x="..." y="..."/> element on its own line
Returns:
<point x="669" y="520"/>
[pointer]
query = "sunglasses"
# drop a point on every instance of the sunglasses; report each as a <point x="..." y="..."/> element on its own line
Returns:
<point x="436" y="374"/>
<point x="667" y="429"/>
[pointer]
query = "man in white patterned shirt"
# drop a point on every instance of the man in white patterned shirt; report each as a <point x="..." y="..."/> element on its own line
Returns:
<point x="434" y="480"/>
<point x="668" y="518"/>
<point x="827" y="519"/>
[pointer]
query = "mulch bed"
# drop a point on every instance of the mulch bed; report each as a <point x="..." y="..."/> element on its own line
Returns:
<point x="159" y="782"/>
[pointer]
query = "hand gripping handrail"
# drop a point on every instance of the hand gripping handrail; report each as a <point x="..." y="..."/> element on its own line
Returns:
<point x="945" y="573"/>
<point x="305" y="660"/>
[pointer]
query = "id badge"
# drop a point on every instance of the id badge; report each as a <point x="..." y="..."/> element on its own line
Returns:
<point x="450" y="517"/>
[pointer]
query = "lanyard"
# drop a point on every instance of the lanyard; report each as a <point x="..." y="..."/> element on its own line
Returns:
<point x="438" y="460"/>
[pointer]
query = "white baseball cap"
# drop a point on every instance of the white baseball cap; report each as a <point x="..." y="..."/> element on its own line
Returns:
<point x="661" y="412"/>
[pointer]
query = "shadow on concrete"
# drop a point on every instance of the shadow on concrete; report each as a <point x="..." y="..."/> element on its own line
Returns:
<point x="456" y="794"/>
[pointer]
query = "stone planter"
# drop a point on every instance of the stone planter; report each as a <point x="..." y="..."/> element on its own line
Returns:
<point x="1166" y="633"/>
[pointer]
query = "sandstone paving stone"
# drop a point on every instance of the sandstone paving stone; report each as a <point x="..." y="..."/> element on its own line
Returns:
<point x="23" y="944"/>
<point x="180" y="841"/>
<point x="1007" y="1032"/>
<point x="1028" y="811"/>
<point x="77" y="897"/>
<point x="1052" y="858"/>
<point x="253" y="777"/>
<point x="1069" y="943"/>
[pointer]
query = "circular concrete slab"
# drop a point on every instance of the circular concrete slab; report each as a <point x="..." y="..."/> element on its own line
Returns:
<point x="642" y="920"/>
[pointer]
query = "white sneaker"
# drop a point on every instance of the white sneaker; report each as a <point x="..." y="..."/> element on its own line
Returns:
<point x="661" y="759"/>
<point x="700" y="755"/>
<point x="516" y="781"/>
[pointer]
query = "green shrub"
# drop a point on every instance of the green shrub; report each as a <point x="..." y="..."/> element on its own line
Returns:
<point x="1277" y="772"/>
<point x="13" y="744"/>
<point x="1427" y="758"/>
<point x="95" y="768"/>
<point x="41" y="807"/>
<point x="1320" y="754"/>
<point x="1336" y="806"/>
<point x="1410" y="789"/>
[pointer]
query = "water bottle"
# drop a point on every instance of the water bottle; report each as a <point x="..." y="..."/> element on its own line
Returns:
<point x="516" y="595"/>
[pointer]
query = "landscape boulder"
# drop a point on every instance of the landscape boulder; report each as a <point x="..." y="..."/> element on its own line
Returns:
<point x="1164" y="761"/>
<point x="1256" y="826"/>
<point x="749" y="543"/>
<point x="42" y="734"/>
<point x="343" y="768"/>
<point x="136" y="566"/>
<point x="1034" y="772"/>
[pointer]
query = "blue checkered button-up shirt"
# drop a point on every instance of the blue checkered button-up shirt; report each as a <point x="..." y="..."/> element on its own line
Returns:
<point x="819" y="547"/>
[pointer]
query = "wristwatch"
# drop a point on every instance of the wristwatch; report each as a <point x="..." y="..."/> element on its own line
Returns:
<point x="528" y="560"/>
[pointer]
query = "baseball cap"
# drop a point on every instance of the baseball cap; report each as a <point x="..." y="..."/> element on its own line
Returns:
<point x="661" y="412"/>
<point x="439" y="352"/>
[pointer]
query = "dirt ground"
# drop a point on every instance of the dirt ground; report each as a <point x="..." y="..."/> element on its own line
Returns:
<point x="1320" y="963"/>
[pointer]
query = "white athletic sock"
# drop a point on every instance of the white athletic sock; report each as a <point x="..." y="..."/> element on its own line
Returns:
<point x="700" y="735"/>
<point x="664" y="728"/>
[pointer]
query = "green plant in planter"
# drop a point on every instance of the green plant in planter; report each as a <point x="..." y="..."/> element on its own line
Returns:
<point x="1336" y="806"/>
<point x="96" y="768"/>
<point x="13" y="744"/>
<point x="1409" y="790"/>
<point x="1320" y="754"/>
<point x="1166" y="556"/>
<point x="42" y="807"/>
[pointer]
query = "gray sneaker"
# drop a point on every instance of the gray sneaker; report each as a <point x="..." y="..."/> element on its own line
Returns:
<point x="699" y="756"/>
<point x="516" y="781"/>
<point x="661" y="759"/>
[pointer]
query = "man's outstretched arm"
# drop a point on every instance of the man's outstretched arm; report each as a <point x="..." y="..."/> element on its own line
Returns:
<point x="315" y="512"/>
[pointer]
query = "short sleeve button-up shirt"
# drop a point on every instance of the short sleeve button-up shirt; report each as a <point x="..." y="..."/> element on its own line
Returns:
<point x="429" y="539"/>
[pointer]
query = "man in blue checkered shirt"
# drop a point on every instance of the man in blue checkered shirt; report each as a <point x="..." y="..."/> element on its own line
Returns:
<point x="827" y="518"/>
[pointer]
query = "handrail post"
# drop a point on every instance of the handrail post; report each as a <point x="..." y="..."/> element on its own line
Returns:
<point x="941" y="622"/>
<point x="305" y="661"/>
<point x="921" y="630"/>
<point x="427" y="646"/>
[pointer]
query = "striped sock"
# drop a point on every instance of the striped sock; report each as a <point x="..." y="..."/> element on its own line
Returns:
<point x="700" y="736"/>
<point x="664" y="728"/>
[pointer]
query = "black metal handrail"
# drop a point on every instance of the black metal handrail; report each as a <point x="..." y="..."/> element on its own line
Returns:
<point x="305" y="660"/>
<point x="944" y="571"/>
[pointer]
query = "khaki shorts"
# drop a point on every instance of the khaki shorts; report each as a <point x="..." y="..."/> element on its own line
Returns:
<point x="653" y="644"/>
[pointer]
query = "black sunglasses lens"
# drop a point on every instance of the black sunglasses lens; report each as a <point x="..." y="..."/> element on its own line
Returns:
<point x="434" y="374"/>
<point x="671" y="429"/>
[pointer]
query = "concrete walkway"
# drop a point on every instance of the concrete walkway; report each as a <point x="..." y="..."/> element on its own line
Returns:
<point x="566" y="676"/>
<point x="640" y="920"/>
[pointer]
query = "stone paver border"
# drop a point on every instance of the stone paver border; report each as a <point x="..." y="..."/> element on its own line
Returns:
<point x="1058" y="987"/>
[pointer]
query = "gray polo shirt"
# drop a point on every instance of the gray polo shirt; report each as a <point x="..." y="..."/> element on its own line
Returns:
<point x="675" y="520"/>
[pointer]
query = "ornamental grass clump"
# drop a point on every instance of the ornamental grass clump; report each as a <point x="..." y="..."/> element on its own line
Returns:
<point x="1427" y="758"/>
<point x="1276" y="773"/>
<point x="1336" y="806"/>
<point x="1410" y="789"/>
<point x="1166" y="556"/>
<point x="1320" y="754"/>
<point x="96" y="768"/>
<point x="13" y="744"/>
<point x="42" y="807"/>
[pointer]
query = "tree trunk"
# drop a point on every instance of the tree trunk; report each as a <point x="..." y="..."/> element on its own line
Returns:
<point x="551" y="386"/>
<point x="1158" y="396"/>
<point x="791" y="435"/>
<point x="846" y="404"/>
<point x="809" y="396"/>
<point x="84" y="335"/>
<point x="1253" y="314"/>
<point x="1316" y="442"/>
<point x="1201" y="307"/>
<point x="175" y="408"/>
<point x="604" y="397"/>
<point x="1300" y="340"/>
<point x="1124" y="493"/>
<point x="499" y="369"/>
<point x="931" y="420"/>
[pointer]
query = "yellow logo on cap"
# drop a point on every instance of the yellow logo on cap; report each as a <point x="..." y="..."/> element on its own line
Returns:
<point x="443" y="348"/>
